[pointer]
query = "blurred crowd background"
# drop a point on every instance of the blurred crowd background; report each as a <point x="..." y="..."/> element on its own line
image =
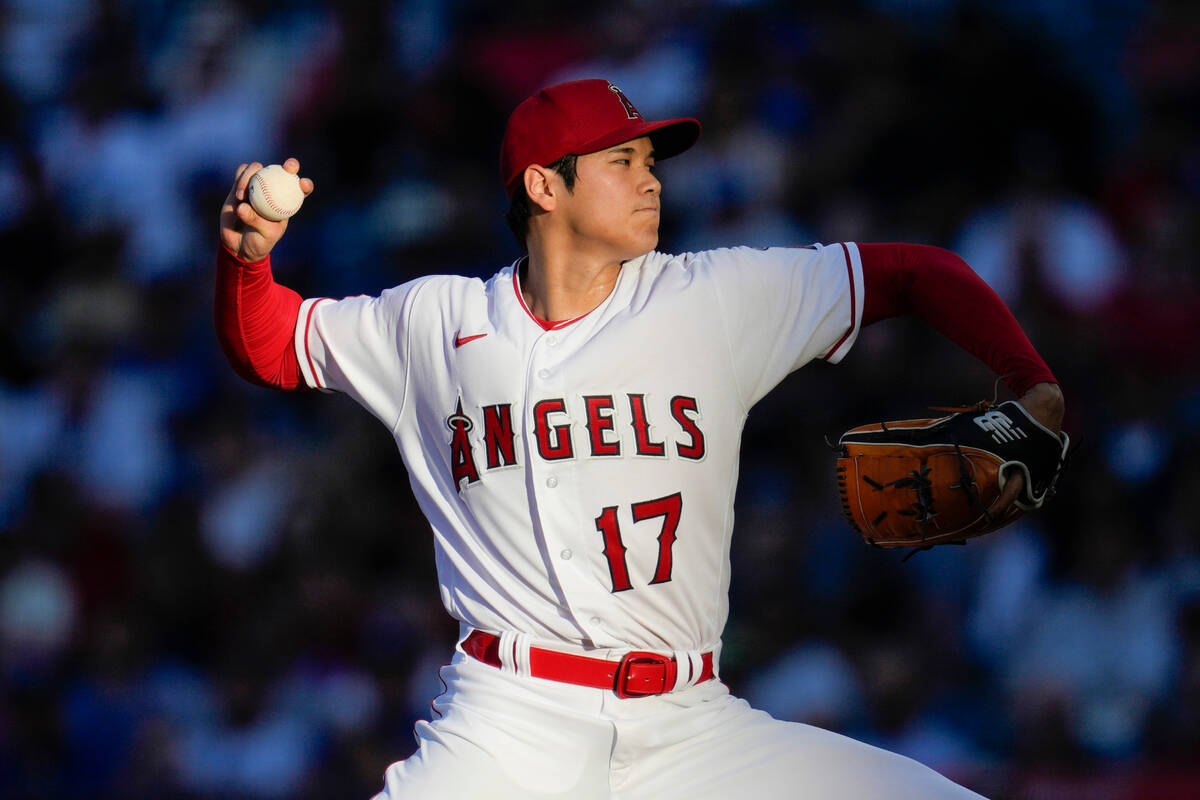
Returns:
<point x="212" y="590"/>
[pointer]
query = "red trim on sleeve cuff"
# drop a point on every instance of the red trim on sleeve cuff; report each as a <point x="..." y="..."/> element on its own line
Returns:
<point x="853" y="304"/>
<point x="307" y="352"/>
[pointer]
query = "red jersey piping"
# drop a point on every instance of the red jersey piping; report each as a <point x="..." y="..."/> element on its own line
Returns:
<point x="546" y="326"/>
<point x="307" y="353"/>
<point x="853" y="304"/>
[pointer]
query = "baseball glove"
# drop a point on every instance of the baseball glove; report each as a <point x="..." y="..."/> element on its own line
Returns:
<point x="921" y="482"/>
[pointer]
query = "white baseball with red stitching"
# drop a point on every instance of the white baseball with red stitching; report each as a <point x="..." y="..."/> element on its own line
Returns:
<point x="274" y="193"/>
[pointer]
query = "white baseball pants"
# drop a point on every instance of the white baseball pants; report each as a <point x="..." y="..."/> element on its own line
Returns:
<point x="499" y="736"/>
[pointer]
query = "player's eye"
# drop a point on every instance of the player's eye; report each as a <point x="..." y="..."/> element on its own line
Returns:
<point x="622" y="161"/>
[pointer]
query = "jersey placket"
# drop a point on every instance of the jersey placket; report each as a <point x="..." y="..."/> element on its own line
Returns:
<point x="550" y="445"/>
<point x="571" y="541"/>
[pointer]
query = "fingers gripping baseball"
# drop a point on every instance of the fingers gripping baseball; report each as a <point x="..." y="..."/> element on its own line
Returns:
<point x="243" y="230"/>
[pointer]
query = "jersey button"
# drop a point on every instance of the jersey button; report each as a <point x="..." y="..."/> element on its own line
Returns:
<point x="596" y="620"/>
<point x="543" y="373"/>
<point x="565" y="555"/>
<point x="551" y="340"/>
<point x="552" y="481"/>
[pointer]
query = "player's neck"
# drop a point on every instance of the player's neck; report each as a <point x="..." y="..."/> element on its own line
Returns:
<point x="566" y="285"/>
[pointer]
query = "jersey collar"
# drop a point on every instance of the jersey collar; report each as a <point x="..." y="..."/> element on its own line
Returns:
<point x="560" y="324"/>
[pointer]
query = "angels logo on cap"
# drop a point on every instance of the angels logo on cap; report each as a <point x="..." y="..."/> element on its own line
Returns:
<point x="578" y="118"/>
<point x="632" y="112"/>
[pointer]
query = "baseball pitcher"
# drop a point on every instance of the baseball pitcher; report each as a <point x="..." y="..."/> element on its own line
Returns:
<point x="571" y="430"/>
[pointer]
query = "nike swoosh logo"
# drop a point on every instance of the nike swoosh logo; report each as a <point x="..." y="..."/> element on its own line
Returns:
<point x="460" y="340"/>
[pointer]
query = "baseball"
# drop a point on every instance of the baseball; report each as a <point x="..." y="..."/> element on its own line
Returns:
<point x="274" y="193"/>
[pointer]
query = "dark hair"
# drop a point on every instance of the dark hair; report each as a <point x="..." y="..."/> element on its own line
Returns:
<point x="520" y="211"/>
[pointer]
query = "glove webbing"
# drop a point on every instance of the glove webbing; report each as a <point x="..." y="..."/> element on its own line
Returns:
<point x="923" y="507"/>
<point x="918" y="480"/>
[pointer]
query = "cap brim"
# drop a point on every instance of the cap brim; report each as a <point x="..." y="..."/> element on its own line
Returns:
<point x="670" y="137"/>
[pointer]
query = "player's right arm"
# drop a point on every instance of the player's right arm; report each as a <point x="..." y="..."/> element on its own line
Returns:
<point x="255" y="317"/>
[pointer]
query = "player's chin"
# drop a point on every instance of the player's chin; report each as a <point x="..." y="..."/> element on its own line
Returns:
<point x="644" y="245"/>
<point x="647" y="237"/>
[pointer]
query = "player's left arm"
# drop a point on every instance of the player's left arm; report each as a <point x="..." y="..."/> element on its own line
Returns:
<point x="942" y="289"/>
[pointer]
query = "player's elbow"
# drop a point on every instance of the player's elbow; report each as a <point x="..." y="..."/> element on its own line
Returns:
<point x="932" y="257"/>
<point x="282" y="372"/>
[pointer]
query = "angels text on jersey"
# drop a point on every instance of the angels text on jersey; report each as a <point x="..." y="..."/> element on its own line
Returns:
<point x="594" y="430"/>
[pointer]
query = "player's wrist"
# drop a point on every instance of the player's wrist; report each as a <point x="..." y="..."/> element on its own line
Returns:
<point x="244" y="258"/>
<point x="1045" y="402"/>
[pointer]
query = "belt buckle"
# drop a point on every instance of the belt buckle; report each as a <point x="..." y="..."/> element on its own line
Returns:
<point x="624" y="683"/>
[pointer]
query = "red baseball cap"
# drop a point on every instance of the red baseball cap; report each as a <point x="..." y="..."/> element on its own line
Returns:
<point x="581" y="117"/>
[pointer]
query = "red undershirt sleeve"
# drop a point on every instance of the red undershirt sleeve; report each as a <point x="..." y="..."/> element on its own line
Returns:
<point x="940" y="288"/>
<point x="256" y="322"/>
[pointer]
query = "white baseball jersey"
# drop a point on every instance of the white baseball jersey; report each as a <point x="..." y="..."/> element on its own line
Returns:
<point x="579" y="477"/>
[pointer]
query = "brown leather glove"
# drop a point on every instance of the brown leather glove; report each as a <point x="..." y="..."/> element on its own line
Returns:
<point x="921" y="482"/>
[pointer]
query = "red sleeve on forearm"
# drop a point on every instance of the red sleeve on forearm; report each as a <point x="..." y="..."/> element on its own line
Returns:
<point x="938" y="286"/>
<point x="256" y="322"/>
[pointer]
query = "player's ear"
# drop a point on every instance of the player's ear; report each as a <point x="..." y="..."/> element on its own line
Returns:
<point x="539" y="185"/>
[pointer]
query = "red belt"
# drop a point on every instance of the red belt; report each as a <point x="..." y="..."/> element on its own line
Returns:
<point x="637" y="674"/>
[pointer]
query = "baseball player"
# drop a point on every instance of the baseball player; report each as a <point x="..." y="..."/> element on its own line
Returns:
<point x="571" y="430"/>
